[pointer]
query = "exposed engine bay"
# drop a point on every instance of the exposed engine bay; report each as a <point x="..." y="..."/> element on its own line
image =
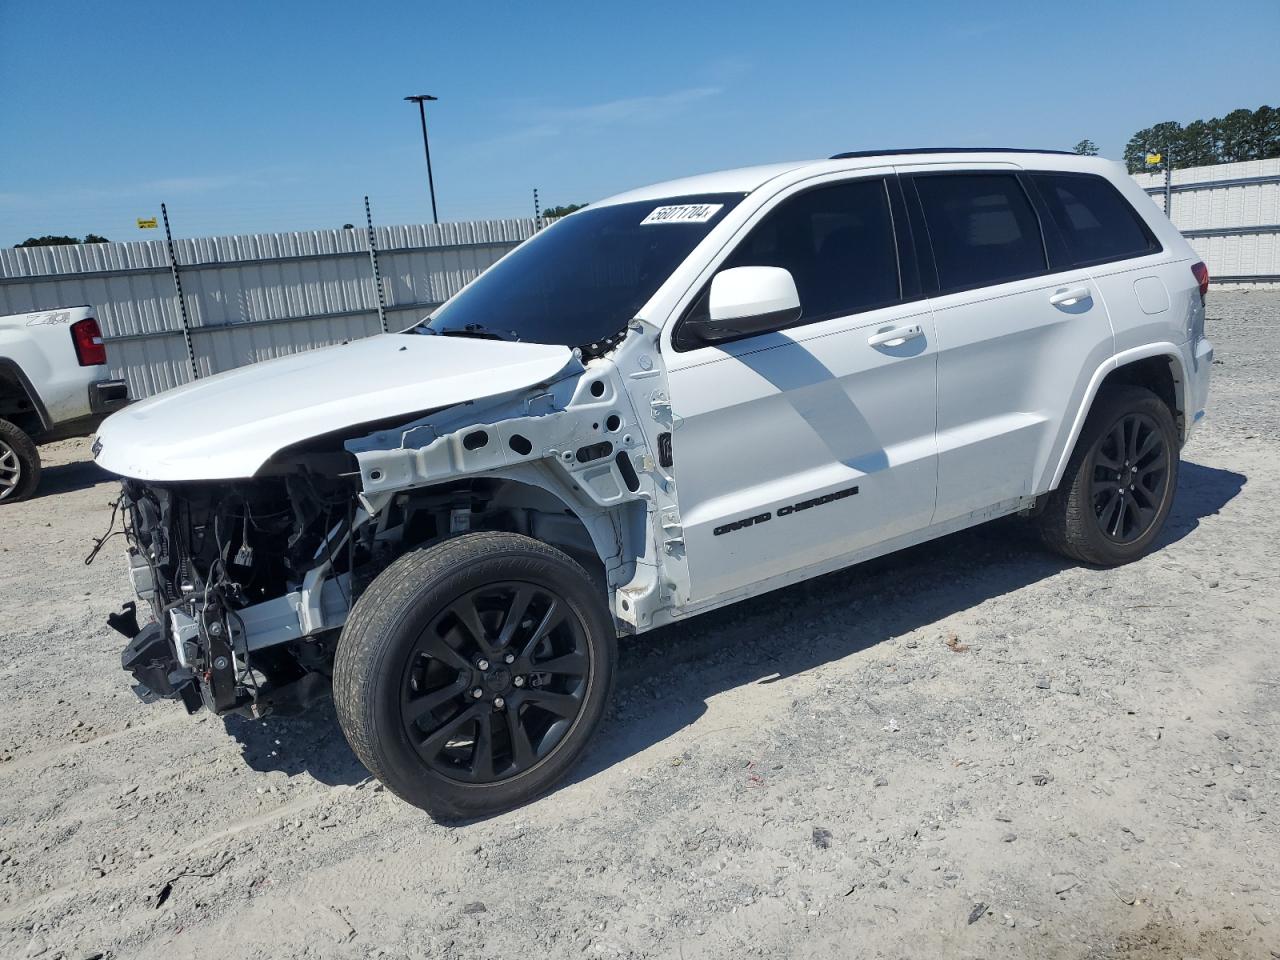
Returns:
<point x="250" y="581"/>
<point x="200" y="554"/>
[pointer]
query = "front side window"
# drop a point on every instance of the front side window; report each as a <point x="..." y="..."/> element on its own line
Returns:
<point x="582" y="279"/>
<point x="982" y="228"/>
<point x="1095" y="220"/>
<point x="838" y="244"/>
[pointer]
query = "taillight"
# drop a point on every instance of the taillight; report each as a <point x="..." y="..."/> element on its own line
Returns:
<point x="88" y="340"/>
<point x="1202" y="277"/>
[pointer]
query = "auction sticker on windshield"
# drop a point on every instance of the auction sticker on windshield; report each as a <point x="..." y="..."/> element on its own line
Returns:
<point x="683" y="213"/>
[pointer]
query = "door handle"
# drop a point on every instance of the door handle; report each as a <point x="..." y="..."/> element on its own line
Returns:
<point x="1069" y="298"/>
<point x="891" y="338"/>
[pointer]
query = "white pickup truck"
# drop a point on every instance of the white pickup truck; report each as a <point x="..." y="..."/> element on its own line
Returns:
<point x="53" y="384"/>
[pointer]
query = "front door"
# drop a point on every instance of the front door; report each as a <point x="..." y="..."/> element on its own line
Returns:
<point x="800" y="445"/>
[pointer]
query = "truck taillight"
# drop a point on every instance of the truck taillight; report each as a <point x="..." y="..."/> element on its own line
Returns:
<point x="1202" y="277"/>
<point x="88" y="340"/>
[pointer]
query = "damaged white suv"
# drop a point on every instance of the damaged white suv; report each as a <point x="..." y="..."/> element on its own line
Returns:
<point x="671" y="400"/>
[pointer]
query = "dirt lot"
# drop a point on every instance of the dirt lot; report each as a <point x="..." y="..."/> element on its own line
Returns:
<point x="972" y="749"/>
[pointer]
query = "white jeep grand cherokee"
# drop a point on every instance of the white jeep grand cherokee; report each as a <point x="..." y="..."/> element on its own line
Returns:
<point x="676" y="398"/>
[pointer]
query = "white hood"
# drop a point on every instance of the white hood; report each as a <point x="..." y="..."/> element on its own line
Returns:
<point x="229" y="425"/>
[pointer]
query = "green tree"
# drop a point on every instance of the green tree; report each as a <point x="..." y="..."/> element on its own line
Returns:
<point x="1240" y="135"/>
<point x="1163" y="138"/>
<point x="1265" y="135"/>
<point x="1200" y="144"/>
<point x="48" y="240"/>
<point x="1086" y="148"/>
<point x="1235" y="135"/>
<point x="552" y="212"/>
<point x="51" y="240"/>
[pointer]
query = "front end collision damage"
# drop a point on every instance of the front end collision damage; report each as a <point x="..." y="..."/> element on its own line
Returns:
<point x="251" y="581"/>
<point x="591" y="440"/>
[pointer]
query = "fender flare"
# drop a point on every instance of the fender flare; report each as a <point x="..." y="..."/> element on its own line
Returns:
<point x="10" y="368"/>
<point x="1113" y="363"/>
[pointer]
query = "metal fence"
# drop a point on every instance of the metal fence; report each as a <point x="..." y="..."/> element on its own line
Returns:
<point x="1231" y="214"/>
<point x="251" y="297"/>
<point x="257" y="296"/>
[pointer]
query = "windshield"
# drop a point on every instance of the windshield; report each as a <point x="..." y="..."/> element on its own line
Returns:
<point x="582" y="279"/>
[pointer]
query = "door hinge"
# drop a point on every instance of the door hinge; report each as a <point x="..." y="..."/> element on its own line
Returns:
<point x="673" y="534"/>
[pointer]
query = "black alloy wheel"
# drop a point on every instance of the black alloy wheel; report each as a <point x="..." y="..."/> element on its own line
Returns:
<point x="472" y="673"/>
<point x="495" y="681"/>
<point x="1117" y="489"/>
<point x="1130" y="472"/>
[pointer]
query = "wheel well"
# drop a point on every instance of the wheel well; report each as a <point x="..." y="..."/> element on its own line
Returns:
<point x="505" y="505"/>
<point x="1157" y="374"/>
<point x="17" y="406"/>
<point x="542" y="515"/>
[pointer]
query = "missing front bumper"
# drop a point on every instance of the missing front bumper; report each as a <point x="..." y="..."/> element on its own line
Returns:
<point x="158" y="675"/>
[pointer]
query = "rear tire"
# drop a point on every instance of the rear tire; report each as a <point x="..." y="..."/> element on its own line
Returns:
<point x="495" y="614"/>
<point x="19" y="464"/>
<point x="1119" y="483"/>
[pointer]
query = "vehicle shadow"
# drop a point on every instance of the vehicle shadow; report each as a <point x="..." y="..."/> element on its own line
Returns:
<point x="311" y="743"/>
<point x="789" y="631"/>
<point x="1202" y="492"/>
<point x="678" y="668"/>
<point x="66" y="477"/>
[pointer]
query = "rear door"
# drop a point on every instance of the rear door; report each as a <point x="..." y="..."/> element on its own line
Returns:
<point x="1019" y="332"/>
<point x="1149" y="300"/>
<point x="800" y="445"/>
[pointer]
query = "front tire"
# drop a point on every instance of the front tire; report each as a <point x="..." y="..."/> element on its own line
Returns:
<point x="1119" y="483"/>
<point x="19" y="464"/>
<point x="471" y="674"/>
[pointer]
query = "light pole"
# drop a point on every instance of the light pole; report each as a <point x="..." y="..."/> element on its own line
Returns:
<point x="421" y="100"/>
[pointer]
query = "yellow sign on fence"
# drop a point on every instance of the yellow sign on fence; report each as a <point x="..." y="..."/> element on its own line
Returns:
<point x="146" y="223"/>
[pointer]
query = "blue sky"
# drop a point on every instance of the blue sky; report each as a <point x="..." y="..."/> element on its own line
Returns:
<point x="249" y="117"/>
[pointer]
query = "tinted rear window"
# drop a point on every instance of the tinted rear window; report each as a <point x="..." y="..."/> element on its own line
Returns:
<point x="982" y="227"/>
<point x="1096" y="222"/>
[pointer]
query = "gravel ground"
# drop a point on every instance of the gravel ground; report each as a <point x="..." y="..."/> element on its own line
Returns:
<point x="971" y="749"/>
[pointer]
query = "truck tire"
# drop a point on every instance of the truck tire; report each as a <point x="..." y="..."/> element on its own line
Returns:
<point x="472" y="673"/>
<point x="1119" y="483"/>
<point x="19" y="464"/>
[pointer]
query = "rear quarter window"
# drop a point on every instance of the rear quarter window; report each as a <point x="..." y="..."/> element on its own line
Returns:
<point x="1096" y="222"/>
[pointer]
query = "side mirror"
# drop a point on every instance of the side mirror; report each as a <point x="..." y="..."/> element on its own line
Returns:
<point x="747" y="300"/>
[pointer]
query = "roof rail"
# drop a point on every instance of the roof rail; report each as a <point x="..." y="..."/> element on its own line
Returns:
<point x="856" y="154"/>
